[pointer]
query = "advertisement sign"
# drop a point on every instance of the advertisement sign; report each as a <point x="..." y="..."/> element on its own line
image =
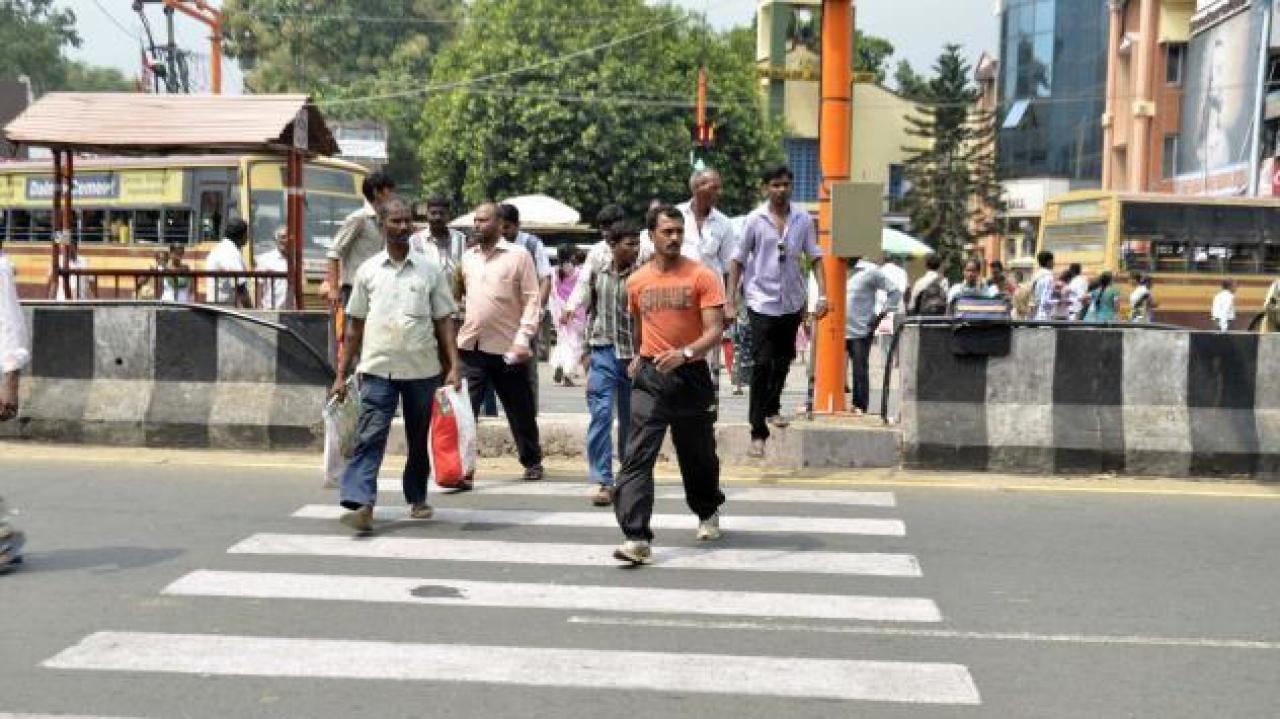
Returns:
<point x="136" y="188"/>
<point x="97" y="186"/>
<point x="1218" y="102"/>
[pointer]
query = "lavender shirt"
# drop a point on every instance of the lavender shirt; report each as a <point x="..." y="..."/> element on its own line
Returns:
<point x="771" y="287"/>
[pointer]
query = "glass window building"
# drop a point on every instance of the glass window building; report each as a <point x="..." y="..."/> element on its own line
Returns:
<point x="1052" y="89"/>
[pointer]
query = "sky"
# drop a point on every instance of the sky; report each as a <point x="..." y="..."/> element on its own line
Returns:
<point x="917" y="28"/>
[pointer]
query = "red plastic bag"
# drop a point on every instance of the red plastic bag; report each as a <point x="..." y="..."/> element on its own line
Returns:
<point x="452" y="439"/>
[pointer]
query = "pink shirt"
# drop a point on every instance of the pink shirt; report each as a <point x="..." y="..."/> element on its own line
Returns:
<point x="501" y="296"/>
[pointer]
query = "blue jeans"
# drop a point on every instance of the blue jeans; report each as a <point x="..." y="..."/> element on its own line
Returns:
<point x="378" y="399"/>
<point x="608" y="388"/>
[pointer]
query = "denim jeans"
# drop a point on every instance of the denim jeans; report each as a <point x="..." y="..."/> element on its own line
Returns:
<point x="378" y="399"/>
<point x="608" y="389"/>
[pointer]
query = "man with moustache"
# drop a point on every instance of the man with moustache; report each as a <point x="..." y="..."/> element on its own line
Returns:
<point x="678" y="308"/>
<point x="400" y="320"/>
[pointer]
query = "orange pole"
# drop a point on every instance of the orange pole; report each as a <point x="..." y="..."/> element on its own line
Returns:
<point x="212" y="17"/>
<point x="833" y="149"/>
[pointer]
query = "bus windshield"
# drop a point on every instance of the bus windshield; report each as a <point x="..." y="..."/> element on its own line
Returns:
<point x="1216" y="239"/>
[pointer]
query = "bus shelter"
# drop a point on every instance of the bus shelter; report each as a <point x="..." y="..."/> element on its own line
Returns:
<point x="131" y="124"/>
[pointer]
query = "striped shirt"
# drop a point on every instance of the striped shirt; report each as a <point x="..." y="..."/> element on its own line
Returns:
<point x="611" y="324"/>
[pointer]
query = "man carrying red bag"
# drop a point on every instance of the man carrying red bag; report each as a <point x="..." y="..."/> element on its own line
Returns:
<point x="400" y="319"/>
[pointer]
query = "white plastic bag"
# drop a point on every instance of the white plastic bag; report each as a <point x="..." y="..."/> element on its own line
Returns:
<point x="340" y="420"/>
<point x="452" y="438"/>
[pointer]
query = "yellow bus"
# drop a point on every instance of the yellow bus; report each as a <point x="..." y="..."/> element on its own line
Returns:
<point x="1187" y="245"/>
<point x="127" y="209"/>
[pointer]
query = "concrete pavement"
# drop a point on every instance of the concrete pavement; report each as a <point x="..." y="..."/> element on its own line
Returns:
<point x="166" y="584"/>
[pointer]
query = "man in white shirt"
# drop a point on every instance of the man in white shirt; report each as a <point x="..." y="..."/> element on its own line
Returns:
<point x="1044" y="302"/>
<point x="438" y="241"/>
<point x="1224" y="306"/>
<point x="82" y="287"/>
<point x="1078" y="289"/>
<point x="401" y="328"/>
<point x="275" y="293"/>
<point x="933" y="263"/>
<point x="227" y="257"/>
<point x="708" y="234"/>
<point x="15" y="352"/>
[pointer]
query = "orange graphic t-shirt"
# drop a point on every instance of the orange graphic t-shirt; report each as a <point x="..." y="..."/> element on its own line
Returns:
<point x="669" y="304"/>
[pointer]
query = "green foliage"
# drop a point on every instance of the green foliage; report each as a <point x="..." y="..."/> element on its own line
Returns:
<point x="910" y="83"/>
<point x="612" y="125"/>
<point x="81" y="77"/>
<point x="32" y="36"/>
<point x="952" y="170"/>
<point x="340" y="49"/>
<point x="871" y="54"/>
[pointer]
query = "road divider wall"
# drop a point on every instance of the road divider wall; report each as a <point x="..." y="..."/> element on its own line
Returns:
<point x="172" y="376"/>
<point x="1094" y="400"/>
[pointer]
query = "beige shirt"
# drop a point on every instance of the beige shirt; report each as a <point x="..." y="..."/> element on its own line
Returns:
<point x="399" y="304"/>
<point x="501" y="295"/>
<point x="357" y="240"/>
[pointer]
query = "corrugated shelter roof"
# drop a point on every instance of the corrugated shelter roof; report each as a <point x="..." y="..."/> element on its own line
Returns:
<point x="140" y="124"/>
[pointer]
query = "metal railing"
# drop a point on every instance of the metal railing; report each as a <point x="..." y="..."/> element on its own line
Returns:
<point x="263" y="284"/>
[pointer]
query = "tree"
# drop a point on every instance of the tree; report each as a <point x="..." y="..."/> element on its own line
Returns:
<point x="910" y="84"/>
<point x="341" y="51"/>
<point x="953" y="187"/>
<point x="81" y="77"/>
<point x="32" y="36"/>
<point x="871" y="54"/>
<point x="590" y="112"/>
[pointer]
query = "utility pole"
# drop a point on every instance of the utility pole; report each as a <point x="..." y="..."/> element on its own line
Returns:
<point x="833" y="151"/>
<point x="171" y="80"/>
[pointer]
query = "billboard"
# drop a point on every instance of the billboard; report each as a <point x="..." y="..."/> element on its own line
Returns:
<point x="1220" y="89"/>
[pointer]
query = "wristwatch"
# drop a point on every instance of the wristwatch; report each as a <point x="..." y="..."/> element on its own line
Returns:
<point x="688" y="354"/>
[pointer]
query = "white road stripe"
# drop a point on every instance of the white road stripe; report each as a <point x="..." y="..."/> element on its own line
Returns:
<point x="541" y="518"/>
<point x="833" y="497"/>
<point x="1120" y="640"/>
<point x="591" y="555"/>
<point x="914" y="682"/>
<point x="451" y="592"/>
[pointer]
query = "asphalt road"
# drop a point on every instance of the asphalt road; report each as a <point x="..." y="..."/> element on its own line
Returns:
<point x="205" y="585"/>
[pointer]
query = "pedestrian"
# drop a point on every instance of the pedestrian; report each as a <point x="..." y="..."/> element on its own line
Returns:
<point x="1142" y="303"/>
<point x="613" y="344"/>
<point x="501" y="291"/>
<point x="509" y="216"/>
<point x="1223" y="311"/>
<point x="177" y="286"/>
<point x="929" y="293"/>
<point x="1104" y="300"/>
<point x="275" y="295"/>
<point x="861" y="321"/>
<point x="83" y="287"/>
<point x="1000" y="283"/>
<point x="743" y="349"/>
<point x="15" y="352"/>
<point x="357" y="240"/>
<point x="438" y="241"/>
<point x="1044" y="299"/>
<point x="1081" y="292"/>
<point x="400" y="325"/>
<point x="1271" y="309"/>
<point x="566" y="358"/>
<point x="152" y="288"/>
<point x="895" y="316"/>
<point x="228" y="256"/>
<point x="971" y="286"/>
<point x="678" y="305"/>
<point x="768" y="263"/>
<point x="709" y="236"/>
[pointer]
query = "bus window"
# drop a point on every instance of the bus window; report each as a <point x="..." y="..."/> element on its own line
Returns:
<point x="4" y="225"/>
<point x="146" y="226"/>
<point x="91" y="225"/>
<point x="1136" y="255"/>
<point x="177" y="227"/>
<point x="1075" y="238"/>
<point x="41" y="228"/>
<point x="266" y="213"/>
<point x="325" y="215"/>
<point x="1271" y="259"/>
<point x="211" y="216"/>
<point x="1171" y="256"/>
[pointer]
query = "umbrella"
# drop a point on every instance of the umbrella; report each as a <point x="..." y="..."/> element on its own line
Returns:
<point x="538" y="210"/>
<point x="893" y="242"/>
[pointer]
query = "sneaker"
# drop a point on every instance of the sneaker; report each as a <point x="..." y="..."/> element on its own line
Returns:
<point x="534" y="473"/>
<point x="421" y="510"/>
<point x="709" y="528"/>
<point x="360" y="520"/>
<point x="756" y="450"/>
<point x="778" y="421"/>
<point x="601" y="496"/>
<point x="635" y="551"/>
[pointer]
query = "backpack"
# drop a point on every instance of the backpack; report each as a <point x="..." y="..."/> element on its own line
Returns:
<point x="932" y="300"/>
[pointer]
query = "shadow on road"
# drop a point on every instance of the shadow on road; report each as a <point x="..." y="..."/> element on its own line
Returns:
<point x="102" y="560"/>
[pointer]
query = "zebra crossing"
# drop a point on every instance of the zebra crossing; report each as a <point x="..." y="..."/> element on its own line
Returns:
<point x="414" y="564"/>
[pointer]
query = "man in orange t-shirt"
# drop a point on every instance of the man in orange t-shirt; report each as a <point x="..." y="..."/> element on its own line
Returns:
<point x="678" y="307"/>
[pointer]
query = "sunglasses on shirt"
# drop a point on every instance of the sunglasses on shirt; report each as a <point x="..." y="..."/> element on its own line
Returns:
<point x="782" y="251"/>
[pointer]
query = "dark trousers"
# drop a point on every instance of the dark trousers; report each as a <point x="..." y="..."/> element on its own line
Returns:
<point x="378" y="399"/>
<point x="685" y="401"/>
<point x="773" y="351"/>
<point x="482" y="371"/>
<point x="859" y="359"/>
